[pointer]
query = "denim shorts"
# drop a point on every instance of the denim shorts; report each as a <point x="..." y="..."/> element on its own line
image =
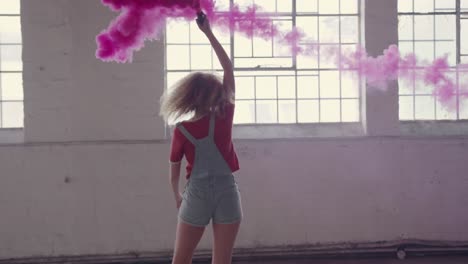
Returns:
<point x="209" y="197"/>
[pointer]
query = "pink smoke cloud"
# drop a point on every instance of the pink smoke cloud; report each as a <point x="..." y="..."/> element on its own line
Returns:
<point x="142" y="20"/>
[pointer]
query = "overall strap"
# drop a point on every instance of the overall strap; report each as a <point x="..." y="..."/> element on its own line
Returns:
<point x="212" y="125"/>
<point x="186" y="134"/>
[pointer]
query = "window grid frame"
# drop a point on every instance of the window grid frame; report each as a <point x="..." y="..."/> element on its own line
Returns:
<point x="3" y="72"/>
<point x="458" y="13"/>
<point x="291" y="16"/>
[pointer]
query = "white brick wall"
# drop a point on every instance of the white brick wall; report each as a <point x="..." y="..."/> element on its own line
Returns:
<point x="113" y="197"/>
<point x="72" y="96"/>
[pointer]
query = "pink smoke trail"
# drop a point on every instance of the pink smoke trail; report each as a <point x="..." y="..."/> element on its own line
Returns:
<point x="392" y="66"/>
<point x="248" y="22"/>
<point x="142" y="20"/>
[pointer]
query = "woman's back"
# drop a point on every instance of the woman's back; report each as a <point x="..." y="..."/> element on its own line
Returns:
<point x="200" y="129"/>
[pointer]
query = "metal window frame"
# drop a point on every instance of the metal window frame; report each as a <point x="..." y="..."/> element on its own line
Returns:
<point x="7" y="72"/>
<point x="458" y="13"/>
<point x="290" y="16"/>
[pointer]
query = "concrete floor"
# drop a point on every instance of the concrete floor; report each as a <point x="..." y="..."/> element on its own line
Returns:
<point x="422" y="260"/>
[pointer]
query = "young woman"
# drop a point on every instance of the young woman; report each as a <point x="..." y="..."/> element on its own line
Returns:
<point x="211" y="192"/>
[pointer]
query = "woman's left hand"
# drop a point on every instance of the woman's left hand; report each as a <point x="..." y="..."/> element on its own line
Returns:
<point x="204" y="26"/>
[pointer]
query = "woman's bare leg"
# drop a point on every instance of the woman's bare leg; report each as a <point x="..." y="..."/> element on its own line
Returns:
<point x="224" y="238"/>
<point x="187" y="238"/>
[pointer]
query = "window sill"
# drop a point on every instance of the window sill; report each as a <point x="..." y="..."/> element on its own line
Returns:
<point x="434" y="128"/>
<point x="286" y="131"/>
<point x="11" y="136"/>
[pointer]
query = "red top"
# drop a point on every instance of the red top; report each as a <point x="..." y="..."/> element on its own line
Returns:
<point x="199" y="129"/>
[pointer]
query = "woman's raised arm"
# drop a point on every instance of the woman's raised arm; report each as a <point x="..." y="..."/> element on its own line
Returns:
<point x="228" y="79"/>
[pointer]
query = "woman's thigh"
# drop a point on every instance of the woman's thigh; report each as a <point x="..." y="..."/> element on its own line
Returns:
<point x="187" y="239"/>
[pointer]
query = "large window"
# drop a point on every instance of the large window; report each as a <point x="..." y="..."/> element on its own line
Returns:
<point x="432" y="29"/>
<point x="11" y="80"/>
<point x="274" y="86"/>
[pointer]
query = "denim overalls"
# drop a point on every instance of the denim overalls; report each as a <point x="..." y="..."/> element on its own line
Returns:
<point x="211" y="191"/>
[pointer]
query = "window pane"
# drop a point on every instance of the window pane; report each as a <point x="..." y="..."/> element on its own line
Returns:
<point x="280" y="47"/>
<point x="201" y="58"/>
<point x="406" y="87"/>
<point x="424" y="50"/>
<point x="265" y="87"/>
<point x="245" y="112"/>
<point x="245" y="88"/>
<point x="11" y="86"/>
<point x="425" y="107"/>
<point x="267" y="111"/>
<point x="350" y="110"/>
<point x="287" y="111"/>
<point x="262" y="47"/>
<point x="447" y="48"/>
<point x="12" y="114"/>
<point x="405" y="6"/>
<point x="286" y="87"/>
<point x="329" y="7"/>
<point x="268" y="5"/>
<point x="464" y="5"/>
<point x="181" y="52"/>
<point x="423" y="27"/>
<point x="349" y="85"/>
<point x="405" y="27"/>
<point x="284" y="5"/>
<point x="309" y="25"/>
<point x="464" y="108"/>
<point x="464" y="36"/>
<point x="177" y="32"/>
<point x="349" y="30"/>
<point x="464" y="59"/>
<point x="10" y="30"/>
<point x="329" y="29"/>
<point x="445" y="27"/>
<point x="222" y="35"/>
<point x="405" y="47"/>
<point x="307" y="61"/>
<point x="308" y="111"/>
<point x="445" y="113"/>
<point x="420" y="88"/>
<point x="329" y="84"/>
<point x="327" y="60"/>
<point x="222" y="4"/>
<point x="307" y="87"/>
<point x="445" y="5"/>
<point x="349" y="6"/>
<point x="330" y="111"/>
<point x="406" y="107"/>
<point x="242" y="46"/>
<point x="244" y="3"/>
<point x="10" y="58"/>
<point x="196" y="36"/>
<point x="424" y="5"/>
<point x="10" y="7"/>
<point x="306" y="6"/>
<point x="174" y="77"/>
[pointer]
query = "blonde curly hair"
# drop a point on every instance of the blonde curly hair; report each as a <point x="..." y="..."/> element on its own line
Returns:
<point x="194" y="96"/>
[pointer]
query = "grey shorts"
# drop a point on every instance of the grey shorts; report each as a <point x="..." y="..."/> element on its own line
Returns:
<point x="214" y="197"/>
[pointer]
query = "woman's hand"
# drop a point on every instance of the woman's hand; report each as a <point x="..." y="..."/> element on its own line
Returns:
<point x="178" y="200"/>
<point x="203" y="23"/>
